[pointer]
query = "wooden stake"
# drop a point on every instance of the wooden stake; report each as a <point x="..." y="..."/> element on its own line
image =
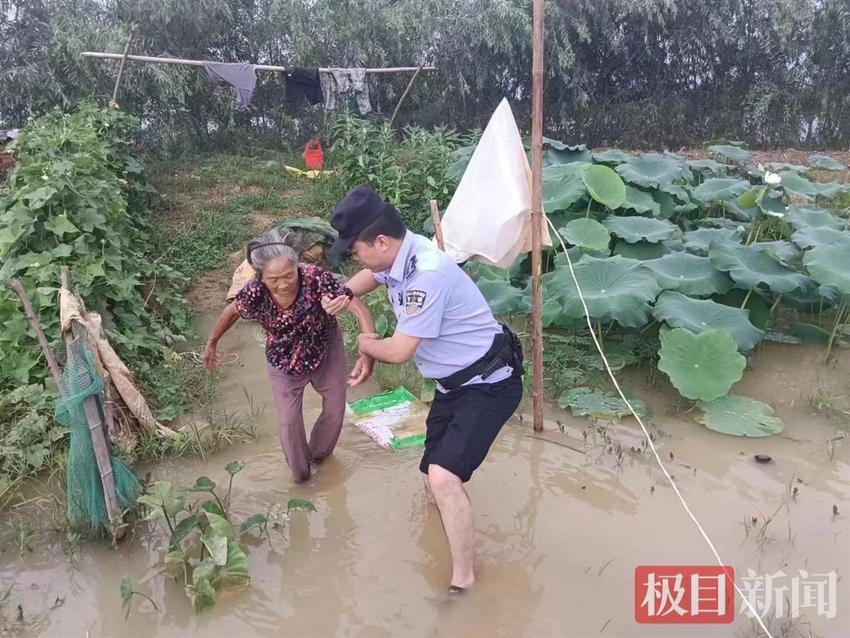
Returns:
<point x="404" y="95"/>
<point x="257" y="67"/>
<point x="98" y="437"/>
<point x="29" y="313"/>
<point x="536" y="212"/>
<point x="438" y="225"/>
<point x="114" y="101"/>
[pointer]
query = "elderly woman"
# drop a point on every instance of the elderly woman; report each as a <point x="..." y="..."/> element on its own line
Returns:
<point x="303" y="344"/>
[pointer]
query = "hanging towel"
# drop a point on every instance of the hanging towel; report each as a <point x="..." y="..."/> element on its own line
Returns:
<point x="240" y="75"/>
<point x="347" y="81"/>
<point x="303" y="83"/>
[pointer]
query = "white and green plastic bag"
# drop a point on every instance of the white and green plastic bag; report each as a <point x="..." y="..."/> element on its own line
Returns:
<point x="393" y="419"/>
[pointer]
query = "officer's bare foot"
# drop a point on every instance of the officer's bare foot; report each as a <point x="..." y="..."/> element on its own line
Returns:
<point x="461" y="585"/>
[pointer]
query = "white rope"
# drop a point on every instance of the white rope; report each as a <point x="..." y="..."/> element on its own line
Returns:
<point x="648" y="437"/>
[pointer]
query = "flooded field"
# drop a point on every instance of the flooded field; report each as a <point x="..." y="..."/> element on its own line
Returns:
<point x="562" y="521"/>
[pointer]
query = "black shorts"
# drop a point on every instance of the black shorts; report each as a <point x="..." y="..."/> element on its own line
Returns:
<point x="463" y="424"/>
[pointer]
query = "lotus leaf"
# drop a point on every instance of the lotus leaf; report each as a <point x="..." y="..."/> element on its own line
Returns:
<point x="739" y="416"/>
<point x="708" y="166"/>
<point x="734" y="153"/>
<point x="614" y="288"/>
<point x="719" y="189"/>
<point x="826" y="163"/>
<point x="799" y="186"/>
<point x="822" y="236"/>
<point x="828" y="265"/>
<point x="641" y="250"/>
<point x="813" y="216"/>
<point x="701" y="367"/>
<point x="557" y="153"/>
<point x="599" y="404"/>
<point x="831" y="189"/>
<point x="698" y="241"/>
<point x="640" y="201"/>
<point x="783" y="251"/>
<point x="612" y="156"/>
<point x="785" y="166"/>
<point x="503" y="298"/>
<point x="759" y="309"/>
<point x="604" y="185"/>
<point x="699" y="315"/>
<point x="587" y="233"/>
<point x="690" y="274"/>
<point x="633" y="229"/>
<point x="750" y="268"/>
<point x="562" y="187"/>
<point x="653" y="170"/>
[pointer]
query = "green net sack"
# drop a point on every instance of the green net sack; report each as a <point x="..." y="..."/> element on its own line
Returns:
<point x="85" y="504"/>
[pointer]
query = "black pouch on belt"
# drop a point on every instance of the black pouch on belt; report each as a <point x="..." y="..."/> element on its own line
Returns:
<point x="506" y="350"/>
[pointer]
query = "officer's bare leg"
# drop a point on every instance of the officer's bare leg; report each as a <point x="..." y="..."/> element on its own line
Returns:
<point x="456" y="512"/>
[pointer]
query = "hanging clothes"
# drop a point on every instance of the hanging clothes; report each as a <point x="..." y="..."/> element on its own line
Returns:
<point x="345" y="82"/>
<point x="303" y="83"/>
<point x="240" y="75"/>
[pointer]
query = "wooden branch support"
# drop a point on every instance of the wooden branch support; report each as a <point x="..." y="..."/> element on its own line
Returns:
<point x="404" y="95"/>
<point x="98" y="437"/>
<point x="257" y="67"/>
<point x="29" y="313"/>
<point x="438" y="225"/>
<point x="537" y="212"/>
<point x="114" y="101"/>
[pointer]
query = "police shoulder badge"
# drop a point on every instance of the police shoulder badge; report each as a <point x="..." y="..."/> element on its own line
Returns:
<point x="414" y="300"/>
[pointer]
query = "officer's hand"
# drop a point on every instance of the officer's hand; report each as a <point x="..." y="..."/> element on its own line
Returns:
<point x="335" y="305"/>
<point x="364" y="337"/>
<point x="362" y="371"/>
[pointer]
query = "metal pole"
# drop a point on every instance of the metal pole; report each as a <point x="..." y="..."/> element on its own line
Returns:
<point x="536" y="212"/>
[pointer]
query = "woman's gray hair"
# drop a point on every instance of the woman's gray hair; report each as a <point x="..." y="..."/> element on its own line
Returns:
<point x="265" y="248"/>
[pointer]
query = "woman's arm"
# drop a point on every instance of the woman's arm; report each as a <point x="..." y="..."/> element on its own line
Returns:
<point x="225" y="321"/>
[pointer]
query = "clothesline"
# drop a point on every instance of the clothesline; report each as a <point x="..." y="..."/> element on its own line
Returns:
<point x="257" y="67"/>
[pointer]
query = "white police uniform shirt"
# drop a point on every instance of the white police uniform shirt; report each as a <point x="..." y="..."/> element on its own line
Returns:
<point x="436" y="301"/>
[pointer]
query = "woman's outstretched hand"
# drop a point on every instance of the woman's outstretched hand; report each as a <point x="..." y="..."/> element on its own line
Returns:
<point x="335" y="305"/>
<point x="362" y="370"/>
<point x="210" y="357"/>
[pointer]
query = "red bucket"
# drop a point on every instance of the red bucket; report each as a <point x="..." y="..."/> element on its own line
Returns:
<point x="313" y="156"/>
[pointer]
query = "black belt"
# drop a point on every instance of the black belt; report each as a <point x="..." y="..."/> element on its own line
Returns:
<point x="506" y="350"/>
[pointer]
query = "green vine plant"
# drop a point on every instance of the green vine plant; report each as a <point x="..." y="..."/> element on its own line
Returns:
<point x="204" y="550"/>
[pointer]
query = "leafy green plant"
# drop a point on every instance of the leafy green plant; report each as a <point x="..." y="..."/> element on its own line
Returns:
<point x="203" y="551"/>
<point x="78" y="197"/>
<point x="28" y="435"/>
<point x="407" y="170"/>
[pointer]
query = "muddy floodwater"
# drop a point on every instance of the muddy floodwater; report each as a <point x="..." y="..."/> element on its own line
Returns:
<point x="562" y="521"/>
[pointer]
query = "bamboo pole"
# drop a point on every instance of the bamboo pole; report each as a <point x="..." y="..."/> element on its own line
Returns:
<point x="536" y="212"/>
<point x="29" y="313"/>
<point x="98" y="437"/>
<point x="257" y="67"/>
<point x="114" y="101"/>
<point x="438" y="225"/>
<point x="404" y="95"/>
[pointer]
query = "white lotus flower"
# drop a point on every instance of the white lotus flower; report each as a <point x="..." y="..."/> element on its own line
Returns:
<point x="771" y="178"/>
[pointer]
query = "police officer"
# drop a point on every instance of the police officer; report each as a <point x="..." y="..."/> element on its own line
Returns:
<point x="447" y="328"/>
